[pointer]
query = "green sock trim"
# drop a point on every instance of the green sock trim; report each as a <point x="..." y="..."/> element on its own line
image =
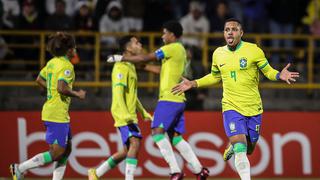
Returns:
<point x="63" y="161"/>
<point x="111" y="162"/>
<point x="47" y="157"/>
<point x="176" y="140"/>
<point x="239" y="147"/>
<point x="133" y="161"/>
<point x="158" y="137"/>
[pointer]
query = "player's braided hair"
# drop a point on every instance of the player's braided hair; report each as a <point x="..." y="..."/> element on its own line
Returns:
<point x="59" y="43"/>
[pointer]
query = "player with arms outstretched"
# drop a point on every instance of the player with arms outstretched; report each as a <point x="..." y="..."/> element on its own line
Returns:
<point x="237" y="65"/>
<point x="57" y="78"/>
<point x="125" y="104"/>
<point x="168" y="115"/>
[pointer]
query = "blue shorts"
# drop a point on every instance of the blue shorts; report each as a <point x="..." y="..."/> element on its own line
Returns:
<point x="57" y="133"/>
<point x="130" y="130"/>
<point x="169" y="116"/>
<point x="235" y="123"/>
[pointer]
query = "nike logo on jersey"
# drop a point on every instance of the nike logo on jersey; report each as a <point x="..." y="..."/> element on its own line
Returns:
<point x="222" y="65"/>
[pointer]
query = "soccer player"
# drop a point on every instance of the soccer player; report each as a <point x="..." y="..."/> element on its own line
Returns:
<point x="57" y="78"/>
<point x="125" y="104"/>
<point x="237" y="65"/>
<point x="168" y="115"/>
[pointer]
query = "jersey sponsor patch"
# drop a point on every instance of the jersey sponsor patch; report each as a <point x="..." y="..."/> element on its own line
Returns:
<point x="67" y="72"/>
<point x="119" y="76"/>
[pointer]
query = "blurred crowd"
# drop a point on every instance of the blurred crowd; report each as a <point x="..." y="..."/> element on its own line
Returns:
<point x="275" y="16"/>
<point x="196" y="16"/>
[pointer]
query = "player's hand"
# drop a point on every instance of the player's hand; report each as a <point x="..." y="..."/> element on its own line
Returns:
<point x="114" y="58"/>
<point x="288" y="76"/>
<point x="81" y="94"/>
<point x="185" y="85"/>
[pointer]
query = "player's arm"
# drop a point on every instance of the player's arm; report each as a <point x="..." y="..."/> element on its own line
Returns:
<point x="41" y="82"/>
<point x="152" y="68"/>
<point x="273" y="74"/>
<point x="41" y="79"/>
<point x="64" y="89"/>
<point x="140" y="58"/>
<point x="145" y="115"/>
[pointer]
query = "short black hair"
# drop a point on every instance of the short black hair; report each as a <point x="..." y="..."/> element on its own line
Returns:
<point x="234" y="20"/>
<point x="174" y="27"/>
<point x="59" y="43"/>
<point x="123" y="42"/>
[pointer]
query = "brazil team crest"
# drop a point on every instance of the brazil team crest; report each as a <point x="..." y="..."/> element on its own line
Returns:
<point x="243" y="63"/>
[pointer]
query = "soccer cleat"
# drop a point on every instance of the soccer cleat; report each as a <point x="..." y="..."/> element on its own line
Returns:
<point x="203" y="175"/>
<point x="177" y="176"/>
<point x="92" y="174"/>
<point x="228" y="153"/>
<point x="16" y="174"/>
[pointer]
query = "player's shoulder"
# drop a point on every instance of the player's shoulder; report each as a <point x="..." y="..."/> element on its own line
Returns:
<point x="251" y="45"/>
<point x="120" y="66"/>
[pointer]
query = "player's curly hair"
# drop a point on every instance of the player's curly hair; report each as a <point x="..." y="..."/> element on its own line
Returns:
<point x="59" y="43"/>
<point x="175" y="27"/>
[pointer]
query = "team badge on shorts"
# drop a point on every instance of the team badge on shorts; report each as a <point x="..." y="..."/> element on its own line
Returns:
<point x="243" y="63"/>
<point x="232" y="127"/>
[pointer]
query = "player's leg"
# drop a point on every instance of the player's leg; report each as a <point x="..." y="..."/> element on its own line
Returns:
<point x="185" y="149"/>
<point x="61" y="164"/>
<point x="133" y="144"/>
<point x="163" y="118"/>
<point x="110" y="163"/>
<point x="56" y="136"/>
<point x="236" y="129"/>
<point x="254" y="127"/>
<point x="114" y="160"/>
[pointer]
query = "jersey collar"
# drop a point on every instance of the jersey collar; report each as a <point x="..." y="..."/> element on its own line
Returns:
<point x="238" y="46"/>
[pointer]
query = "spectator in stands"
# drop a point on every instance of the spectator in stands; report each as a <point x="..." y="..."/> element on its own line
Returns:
<point x="29" y="20"/>
<point x="11" y="13"/>
<point x="70" y="7"/>
<point x="134" y="11"/>
<point x="312" y="19"/>
<point x="113" y="21"/>
<point x="255" y="16"/>
<point x="220" y="15"/>
<point x="281" y="23"/>
<point x="84" y="22"/>
<point x="236" y="9"/>
<point x="99" y="11"/>
<point x="195" y="22"/>
<point x="59" y="20"/>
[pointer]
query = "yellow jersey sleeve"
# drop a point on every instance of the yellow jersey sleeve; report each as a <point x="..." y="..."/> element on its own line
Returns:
<point x="66" y="74"/>
<point x="265" y="67"/>
<point x="43" y="73"/>
<point x="214" y="68"/>
<point x="167" y="51"/>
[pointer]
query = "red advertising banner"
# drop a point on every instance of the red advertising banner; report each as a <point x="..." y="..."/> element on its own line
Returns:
<point x="288" y="147"/>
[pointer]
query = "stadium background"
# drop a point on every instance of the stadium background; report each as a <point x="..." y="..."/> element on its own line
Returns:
<point x="287" y="30"/>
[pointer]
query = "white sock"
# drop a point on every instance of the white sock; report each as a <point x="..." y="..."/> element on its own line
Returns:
<point x="242" y="165"/>
<point x="187" y="153"/>
<point x="105" y="167"/>
<point x="35" y="161"/>
<point x="167" y="153"/>
<point x="58" y="171"/>
<point x="131" y="165"/>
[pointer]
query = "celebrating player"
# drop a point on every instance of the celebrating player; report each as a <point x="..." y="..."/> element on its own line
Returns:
<point x="57" y="78"/>
<point x="168" y="115"/>
<point x="237" y="65"/>
<point x="125" y="103"/>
